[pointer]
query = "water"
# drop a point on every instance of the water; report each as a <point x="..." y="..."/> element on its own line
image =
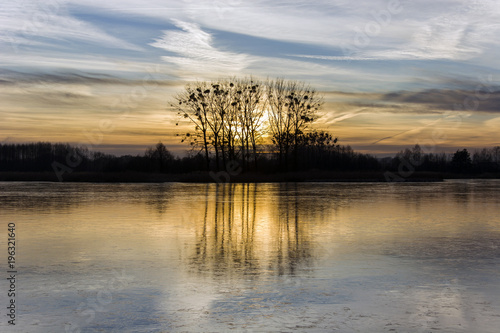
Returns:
<point x="317" y="257"/>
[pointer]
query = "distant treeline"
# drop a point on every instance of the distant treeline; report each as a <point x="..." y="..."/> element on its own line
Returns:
<point x="318" y="154"/>
<point x="481" y="161"/>
<point x="43" y="156"/>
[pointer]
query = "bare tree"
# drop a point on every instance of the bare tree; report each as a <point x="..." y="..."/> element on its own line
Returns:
<point x="193" y="104"/>
<point x="303" y="103"/>
<point x="250" y="106"/>
<point x="228" y="117"/>
<point x="279" y="122"/>
<point x="292" y="107"/>
<point x="218" y="109"/>
<point x="160" y="156"/>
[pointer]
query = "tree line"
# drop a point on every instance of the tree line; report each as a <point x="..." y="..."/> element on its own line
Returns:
<point x="320" y="154"/>
<point x="462" y="161"/>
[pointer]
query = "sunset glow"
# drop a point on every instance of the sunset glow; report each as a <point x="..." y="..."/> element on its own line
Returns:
<point x="392" y="73"/>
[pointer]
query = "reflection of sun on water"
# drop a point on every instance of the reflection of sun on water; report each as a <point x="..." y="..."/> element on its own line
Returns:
<point x="239" y="229"/>
<point x="264" y="129"/>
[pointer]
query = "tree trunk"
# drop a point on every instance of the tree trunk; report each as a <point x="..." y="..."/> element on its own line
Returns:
<point x="206" y="149"/>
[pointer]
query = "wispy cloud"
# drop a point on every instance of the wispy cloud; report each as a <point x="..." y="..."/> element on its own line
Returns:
<point x="11" y="78"/>
<point x="195" y="52"/>
<point x="333" y="118"/>
<point x="452" y="30"/>
<point x="485" y="100"/>
<point x="35" y="23"/>
<point x="449" y="37"/>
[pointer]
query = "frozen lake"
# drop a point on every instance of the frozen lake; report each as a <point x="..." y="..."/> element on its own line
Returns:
<point x="308" y="257"/>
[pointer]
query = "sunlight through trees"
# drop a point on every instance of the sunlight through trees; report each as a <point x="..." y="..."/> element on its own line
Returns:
<point x="235" y="118"/>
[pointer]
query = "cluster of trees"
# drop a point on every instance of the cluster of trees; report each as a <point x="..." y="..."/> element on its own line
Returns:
<point x="481" y="161"/>
<point x="486" y="159"/>
<point x="40" y="156"/>
<point x="233" y="117"/>
<point x="35" y="156"/>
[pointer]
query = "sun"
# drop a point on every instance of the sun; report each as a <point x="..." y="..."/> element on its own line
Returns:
<point x="263" y="128"/>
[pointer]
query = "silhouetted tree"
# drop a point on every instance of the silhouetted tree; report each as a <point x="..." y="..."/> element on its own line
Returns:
<point x="487" y="160"/>
<point x="227" y="115"/>
<point x="249" y="106"/>
<point x="316" y="150"/>
<point x="194" y="104"/>
<point x="413" y="157"/>
<point x="292" y="107"/>
<point x="461" y="161"/>
<point x="160" y="156"/>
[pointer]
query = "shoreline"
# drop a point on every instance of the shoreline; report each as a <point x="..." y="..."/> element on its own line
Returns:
<point x="206" y="177"/>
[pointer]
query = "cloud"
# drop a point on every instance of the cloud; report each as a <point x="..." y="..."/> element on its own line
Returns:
<point x="195" y="52"/>
<point x="332" y="118"/>
<point x="493" y="124"/>
<point x="484" y="99"/>
<point x="487" y="99"/>
<point x="334" y="58"/>
<point x="448" y="37"/>
<point x="195" y="55"/>
<point x="35" y="23"/>
<point x="422" y="31"/>
<point x="452" y="30"/>
<point x="12" y="78"/>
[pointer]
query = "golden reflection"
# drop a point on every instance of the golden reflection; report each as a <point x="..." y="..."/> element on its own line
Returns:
<point x="250" y="230"/>
<point x="242" y="234"/>
<point x="158" y="197"/>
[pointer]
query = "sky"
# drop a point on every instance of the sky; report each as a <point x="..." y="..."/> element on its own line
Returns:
<point x="393" y="73"/>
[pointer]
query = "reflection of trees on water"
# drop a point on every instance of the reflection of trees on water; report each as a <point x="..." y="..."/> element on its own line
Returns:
<point x="225" y="239"/>
<point x="41" y="197"/>
<point x="158" y="197"/>
<point x="294" y="245"/>
<point x="243" y="234"/>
